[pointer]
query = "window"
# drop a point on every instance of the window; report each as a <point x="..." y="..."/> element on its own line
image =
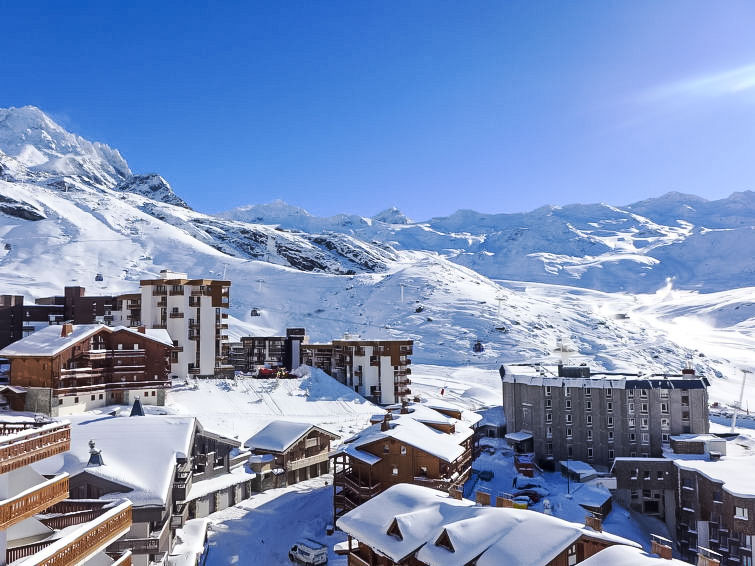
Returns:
<point x="547" y="390"/>
<point x="610" y="454"/>
<point x="609" y="407"/>
<point x="549" y="432"/>
<point x="568" y="418"/>
<point x="549" y="448"/>
<point x="685" y="400"/>
<point x="646" y="474"/>
<point x="568" y="432"/>
<point x="664" y="393"/>
<point x="630" y="393"/>
<point x="633" y="454"/>
<point x="631" y="407"/>
<point x="136" y="346"/>
<point x="589" y="419"/>
<point x="664" y="423"/>
<point x="631" y="422"/>
<point x="386" y="448"/>
<point x="664" y="407"/>
<point x="403" y="450"/>
<point x="588" y="392"/>
<point x="547" y="403"/>
<point x="632" y="437"/>
<point x="609" y="393"/>
<point x="588" y="405"/>
<point x="610" y="436"/>
<point x="548" y="417"/>
<point x="610" y="421"/>
<point x="120" y="346"/>
<point x="644" y="393"/>
<point x="567" y="391"/>
<point x="665" y="438"/>
<point x="75" y="399"/>
<point x="645" y="422"/>
<point x="569" y="452"/>
<point x="644" y="408"/>
<point x="568" y="403"/>
<point x="589" y="452"/>
<point x="395" y="470"/>
<point x="92" y="399"/>
<point x="60" y="400"/>
<point x="571" y="555"/>
<point x="589" y="435"/>
<point x="645" y="438"/>
<point x="659" y="475"/>
<point x="741" y="513"/>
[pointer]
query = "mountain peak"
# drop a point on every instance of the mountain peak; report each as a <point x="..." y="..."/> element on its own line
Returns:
<point x="39" y="143"/>
<point x="392" y="215"/>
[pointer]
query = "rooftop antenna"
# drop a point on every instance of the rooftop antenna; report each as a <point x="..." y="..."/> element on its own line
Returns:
<point x="738" y="406"/>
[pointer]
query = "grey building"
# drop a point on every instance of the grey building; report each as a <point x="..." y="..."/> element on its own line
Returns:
<point x="573" y="413"/>
<point x="702" y="489"/>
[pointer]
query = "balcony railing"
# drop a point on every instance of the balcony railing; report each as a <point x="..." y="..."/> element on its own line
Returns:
<point x="32" y="501"/>
<point x="305" y="462"/>
<point x="29" y="446"/>
<point x="81" y="544"/>
<point x="176" y="315"/>
<point x="159" y="292"/>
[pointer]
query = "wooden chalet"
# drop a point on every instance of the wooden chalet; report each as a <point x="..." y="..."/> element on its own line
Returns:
<point x="289" y="452"/>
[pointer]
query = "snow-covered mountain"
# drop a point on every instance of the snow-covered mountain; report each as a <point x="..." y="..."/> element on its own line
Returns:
<point x="71" y="209"/>
<point x="699" y="244"/>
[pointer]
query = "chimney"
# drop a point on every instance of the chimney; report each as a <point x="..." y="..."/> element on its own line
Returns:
<point x="594" y="521"/>
<point x="660" y="546"/>
<point x="504" y="500"/>
<point x="482" y="497"/>
<point x="386" y="426"/>
<point x="688" y="370"/>
<point x="66" y="329"/>
<point x="95" y="456"/>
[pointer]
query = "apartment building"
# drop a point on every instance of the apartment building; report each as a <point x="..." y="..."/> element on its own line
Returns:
<point x="253" y="352"/>
<point x="376" y="369"/>
<point x="193" y="311"/>
<point x="702" y="488"/>
<point x="68" y="369"/>
<point x="18" y="320"/>
<point x="418" y="526"/>
<point x="575" y="414"/>
<point x="28" y="538"/>
<point x="411" y="443"/>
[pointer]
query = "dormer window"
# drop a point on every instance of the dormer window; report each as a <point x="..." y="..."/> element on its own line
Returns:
<point x="445" y="541"/>
<point x="394" y="531"/>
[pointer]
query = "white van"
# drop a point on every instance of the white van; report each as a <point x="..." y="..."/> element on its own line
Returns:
<point x="308" y="551"/>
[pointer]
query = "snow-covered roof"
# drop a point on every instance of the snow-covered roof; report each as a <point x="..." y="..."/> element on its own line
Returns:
<point x="405" y="428"/>
<point x="520" y="436"/>
<point x="418" y="518"/>
<point x="620" y="555"/>
<point x="542" y="375"/>
<point x="278" y="436"/>
<point x="138" y="452"/>
<point x="189" y="543"/>
<point x="492" y="416"/>
<point x="48" y="341"/>
<point x="582" y="469"/>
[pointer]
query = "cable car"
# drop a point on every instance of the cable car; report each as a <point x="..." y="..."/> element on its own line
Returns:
<point x="478" y="347"/>
<point x="255" y="312"/>
<point x="98" y="277"/>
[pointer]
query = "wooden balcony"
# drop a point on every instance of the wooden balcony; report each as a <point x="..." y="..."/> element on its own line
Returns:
<point x="176" y="292"/>
<point x="159" y="292"/>
<point x="31" y="445"/>
<point x="309" y="461"/>
<point x="32" y="501"/>
<point x="176" y="315"/>
<point x="84" y="542"/>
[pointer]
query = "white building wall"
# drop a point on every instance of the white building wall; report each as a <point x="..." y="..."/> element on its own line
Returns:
<point x="207" y="337"/>
<point x="387" y="387"/>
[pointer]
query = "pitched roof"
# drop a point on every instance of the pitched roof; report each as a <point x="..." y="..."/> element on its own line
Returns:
<point x="278" y="436"/>
<point x="408" y="518"/>
<point x="48" y="341"/>
<point x="138" y="453"/>
<point x="621" y="555"/>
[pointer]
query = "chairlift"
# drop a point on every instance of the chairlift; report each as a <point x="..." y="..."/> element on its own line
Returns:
<point x="8" y="247"/>
<point x="98" y="277"/>
<point x="255" y="312"/>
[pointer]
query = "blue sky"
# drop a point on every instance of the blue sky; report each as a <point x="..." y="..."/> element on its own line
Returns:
<point x="430" y="106"/>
